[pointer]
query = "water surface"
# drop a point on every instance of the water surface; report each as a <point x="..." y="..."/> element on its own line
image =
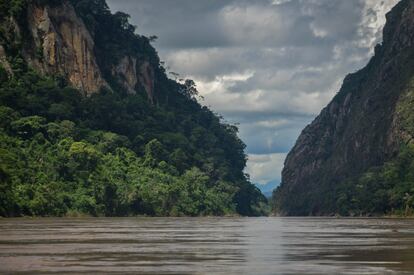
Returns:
<point x="207" y="245"/>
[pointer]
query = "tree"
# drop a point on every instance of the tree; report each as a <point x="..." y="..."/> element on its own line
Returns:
<point x="154" y="153"/>
<point x="189" y="89"/>
<point x="84" y="154"/>
<point x="28" y="126"/>
<point x="111" y="153"/>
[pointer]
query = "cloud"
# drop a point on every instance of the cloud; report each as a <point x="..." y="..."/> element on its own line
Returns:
<point x="269" y="65"/>
<point x="265" y="168"/>
<point x="273" y="135"/>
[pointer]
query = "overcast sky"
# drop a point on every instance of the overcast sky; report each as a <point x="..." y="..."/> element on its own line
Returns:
<point x="269" y="65"/>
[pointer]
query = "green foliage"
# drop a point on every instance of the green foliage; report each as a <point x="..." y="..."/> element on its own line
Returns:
<point x="55" y="176"/>
<point x="388" y="189"/>
<point x="4" y="76"/>
<point x="15" y="8"/>
<point x="154" y="153"/>
<point x="113" y="153"/>
<point x="404" y="109"/>
<point x="384" y="190"/>
<point x="28" y="126"/>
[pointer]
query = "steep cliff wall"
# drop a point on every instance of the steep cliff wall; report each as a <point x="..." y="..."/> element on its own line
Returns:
<point x="361" y="128"/>
<point x="58" y="42"/>
<point x="65" y="46"/>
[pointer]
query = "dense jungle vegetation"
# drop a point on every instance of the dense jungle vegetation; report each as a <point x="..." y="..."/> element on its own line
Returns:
<point x="113" y="153"/>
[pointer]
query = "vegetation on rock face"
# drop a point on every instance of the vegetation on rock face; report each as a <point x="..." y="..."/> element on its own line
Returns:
<point x="388" y="189"/>
<point x="115" y="38"/>
<point x="113" y="153"/>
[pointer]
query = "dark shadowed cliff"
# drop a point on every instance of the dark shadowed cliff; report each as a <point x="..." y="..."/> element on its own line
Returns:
<point x="356" y="157"/>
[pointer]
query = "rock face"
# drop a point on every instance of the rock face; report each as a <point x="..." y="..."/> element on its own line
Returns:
<point x="64" y="46"/>
<point x="361" y="128"/>
<point x="126" y="71"/>
<point x="146" y="77"/>
<point x="131" y="74"/>
<point x="3" y="60"/>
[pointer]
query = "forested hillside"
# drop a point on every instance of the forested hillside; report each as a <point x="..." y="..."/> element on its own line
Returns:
<point x="90" y="123"/>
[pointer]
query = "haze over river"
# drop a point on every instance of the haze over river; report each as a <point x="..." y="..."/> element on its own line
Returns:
<point x="207" y="245"/>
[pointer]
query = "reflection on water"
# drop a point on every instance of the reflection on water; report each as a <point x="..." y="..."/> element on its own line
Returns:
<point x="207" y="245"/>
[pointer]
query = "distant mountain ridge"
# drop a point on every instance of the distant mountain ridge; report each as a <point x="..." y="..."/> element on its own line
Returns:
<point x="267" y="189"/>
<point x="355" y="157"/>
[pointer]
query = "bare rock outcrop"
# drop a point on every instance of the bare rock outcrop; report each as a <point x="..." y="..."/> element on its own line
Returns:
<point x="64" y="46"/>
<point x="59" y="43"/>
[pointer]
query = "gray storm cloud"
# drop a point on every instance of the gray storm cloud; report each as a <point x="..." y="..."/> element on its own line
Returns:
<point x="270" y="65"/>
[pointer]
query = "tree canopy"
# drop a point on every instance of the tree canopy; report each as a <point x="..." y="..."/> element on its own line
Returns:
<point x="114" y="153"/>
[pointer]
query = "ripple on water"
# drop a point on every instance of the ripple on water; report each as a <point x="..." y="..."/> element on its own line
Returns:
<point x="207" y="245"/>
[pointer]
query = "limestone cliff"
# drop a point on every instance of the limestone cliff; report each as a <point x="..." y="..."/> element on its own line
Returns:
<point x="58" y="42"/>
<point x="66" y="46"/>
<point x="363" y="127"/>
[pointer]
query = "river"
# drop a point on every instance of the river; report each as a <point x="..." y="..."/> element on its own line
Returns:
<point x="207" y="246"/>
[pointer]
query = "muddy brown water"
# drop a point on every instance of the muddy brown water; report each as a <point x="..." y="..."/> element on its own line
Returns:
<point x="206" y="246"/>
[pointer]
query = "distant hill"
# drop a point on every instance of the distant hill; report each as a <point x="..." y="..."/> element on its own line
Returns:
<point x="267" y="189"/>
